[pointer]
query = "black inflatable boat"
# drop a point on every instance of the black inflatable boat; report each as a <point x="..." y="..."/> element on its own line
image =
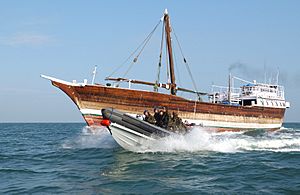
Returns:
<point x="130" y="131"/>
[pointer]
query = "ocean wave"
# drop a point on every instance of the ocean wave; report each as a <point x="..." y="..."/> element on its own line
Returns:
<point x="200" y="139"/>
<point x="17" y="170"/>
<point x="90" y="137"/>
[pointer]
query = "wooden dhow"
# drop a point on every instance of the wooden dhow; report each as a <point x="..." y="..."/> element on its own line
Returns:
<point x="252" y="106"/>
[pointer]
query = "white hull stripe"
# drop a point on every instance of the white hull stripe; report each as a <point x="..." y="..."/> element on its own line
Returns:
<point x="236" y="125"/>
<point x="91" y="111"/>
<point x="207" y="123"/>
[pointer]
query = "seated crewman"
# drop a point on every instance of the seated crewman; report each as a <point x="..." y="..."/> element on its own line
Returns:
<point x="148" y="117"/>
<point x="165" y="118"/>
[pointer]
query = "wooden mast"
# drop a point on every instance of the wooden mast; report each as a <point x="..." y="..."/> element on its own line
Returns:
<point x="170" y="54"/>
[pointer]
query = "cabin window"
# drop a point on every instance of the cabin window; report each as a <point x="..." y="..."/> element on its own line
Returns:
<point x="248" y="102"/>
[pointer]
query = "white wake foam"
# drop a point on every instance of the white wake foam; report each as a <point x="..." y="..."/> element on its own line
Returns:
<point x="200" y="139"/>
<point x="197" y="140"/>
<point x="276" y="144"/>
<point x="91" y="138"/>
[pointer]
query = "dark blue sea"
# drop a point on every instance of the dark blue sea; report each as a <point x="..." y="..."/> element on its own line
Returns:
<point x="69" y="158"/>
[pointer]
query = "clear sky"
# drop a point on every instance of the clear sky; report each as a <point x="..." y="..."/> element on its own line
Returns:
<point x="65" y="39"/>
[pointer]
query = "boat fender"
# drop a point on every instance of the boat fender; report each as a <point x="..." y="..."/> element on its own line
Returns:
<point x="105" y="122"/>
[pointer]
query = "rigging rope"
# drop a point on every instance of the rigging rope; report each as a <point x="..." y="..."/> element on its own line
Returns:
<point x="177" y="72"/>
<point x="176" y="68"/>
<point x="143" y="44"/>
<point x="160" y="57"/>
<point x="185" y="62"/>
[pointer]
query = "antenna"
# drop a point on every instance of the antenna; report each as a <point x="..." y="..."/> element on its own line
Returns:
<point x="270" y="79"/>
<point x="265" y="71"/>
<point x="229" y="87"/>
<point x="94" y="74"/>
<point x="277" y="76"/>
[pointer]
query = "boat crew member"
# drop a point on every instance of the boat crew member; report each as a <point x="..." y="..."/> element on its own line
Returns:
<point x="180" y="125"/>
<point x="159" y="119"/>
<point x="157" y="116"/>
<point x="176" y="124"/>
<point x="165" y="117"/>
<point x="149" y="118"/>
<point x="172" y="122"/>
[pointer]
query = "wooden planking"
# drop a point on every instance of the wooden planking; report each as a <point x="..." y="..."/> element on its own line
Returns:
<point x="135" y="101"/>
<point x="92" y="120"/>
<point x="126" y="97"/>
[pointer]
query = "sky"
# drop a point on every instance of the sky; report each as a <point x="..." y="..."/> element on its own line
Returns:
<point x="66" y="39"/>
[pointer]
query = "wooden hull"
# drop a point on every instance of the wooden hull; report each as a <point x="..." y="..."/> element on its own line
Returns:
<point x="90" y="99"/>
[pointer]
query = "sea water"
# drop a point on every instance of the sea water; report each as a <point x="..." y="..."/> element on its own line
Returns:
<point x="70" y="158"/>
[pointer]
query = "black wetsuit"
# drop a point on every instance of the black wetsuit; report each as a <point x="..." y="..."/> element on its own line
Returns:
<point x="165" y="120"/>
<point x="157" y="117"/>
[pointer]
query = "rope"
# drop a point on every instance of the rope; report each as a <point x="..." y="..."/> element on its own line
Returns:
<point x="144" y="45"/>
<point x="160" y="56"/>
<point x="176" y="66"/>
<point x="177" y="73"/>
<point x="185" y="62"/>
<point x="145" y="41"/>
